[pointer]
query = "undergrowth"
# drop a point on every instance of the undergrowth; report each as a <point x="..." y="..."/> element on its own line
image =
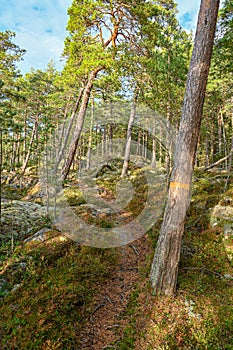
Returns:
<point x="57" y="280"/>
<point x="200" y="315"/>
<point x="55" y="289"/>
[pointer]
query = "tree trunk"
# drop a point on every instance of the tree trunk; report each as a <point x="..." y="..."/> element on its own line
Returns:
<point x="128" y="139"/>
<point x="206" y="150"/>
<point x="13" y="154"/>
<point x="25" y="136"/>
<point x="103" y="140"/>
<point x="79" y="126"/>
<point x="164" y="269"/>
<point x="153" y="160"/>
<point x="230" y="158"/>
<point x="71" y="122"/>
<point x="220" y="161"/>
<point x="90" y="136"/>
<point x="34" y="131"/>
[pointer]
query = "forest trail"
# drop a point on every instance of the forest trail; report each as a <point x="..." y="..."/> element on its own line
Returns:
<point x="57" y="294"/>
<point x="109" y="316"/>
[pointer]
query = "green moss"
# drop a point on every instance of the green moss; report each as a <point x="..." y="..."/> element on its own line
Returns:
<point x="48" y="309"/>
<point x="60" y="279"/>
<point x="208" y="324"/>
<point x="74" y="196"/>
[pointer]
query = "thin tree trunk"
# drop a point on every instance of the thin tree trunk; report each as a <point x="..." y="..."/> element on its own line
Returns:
<point x="212" y="143"/>
<point x="103" y="140"/>
<point x="220" y="135"/>
<point x="18" y="151"/>
<point x="164" y="269"/>
<point x="79" y="125"/>
<point x="61" y="130"/>
<point x="71" y="122"/>
<point x="110" y="131"/>
<point x="153" y="161"/>
<point x="206" y="150"/>
<point x="225" y="145"/>
<point x="128" y="138"/>
<point x="13" y="154"/>
<point x="110" y="138"/>
<point x="34" y="131"/>
<point x="220" y="161"/>
<point x="139" y="143"/>
<point x="25" y="136"/>
<point x="230" y="158"/>
<point x="90" y="136"/>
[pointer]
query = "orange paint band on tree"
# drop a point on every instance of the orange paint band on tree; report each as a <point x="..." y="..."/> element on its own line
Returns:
<point x="179" y="185"/>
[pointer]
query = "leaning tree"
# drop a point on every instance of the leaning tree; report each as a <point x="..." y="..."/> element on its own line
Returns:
<point x="164" y="269"/>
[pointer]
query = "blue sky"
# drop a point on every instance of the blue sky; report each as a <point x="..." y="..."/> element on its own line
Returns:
<point x="40" y="27"/>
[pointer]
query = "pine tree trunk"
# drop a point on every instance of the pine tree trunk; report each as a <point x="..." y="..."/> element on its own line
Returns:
<point x="128" y="139"/>
<point x="90" y="136"/>
<point x="79" y="125"/>
<point x="68" y="130"/>
<point x="34" y="131"/>
<point x="164" y="269"/>
<point x="153" y="160"/>
<point x="206" y="151"/>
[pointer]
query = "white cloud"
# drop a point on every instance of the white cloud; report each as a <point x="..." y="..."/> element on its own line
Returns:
<point x="188" y="13"/>
<point x="40" y="29"/>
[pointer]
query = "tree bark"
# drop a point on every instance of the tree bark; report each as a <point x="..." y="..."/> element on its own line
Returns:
<point x="68" y="130"/>
<point x="153" y="160"/>
<point x="220" y="161"/>
<point x="34" y="131"/>
<point x="79" y="125"/>
<point x="164" y="269"/>
<point x="128" y="139"/>
<point x="90" y="136"/>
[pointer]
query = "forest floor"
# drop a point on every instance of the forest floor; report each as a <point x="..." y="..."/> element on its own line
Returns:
<point x="57" y="294"/>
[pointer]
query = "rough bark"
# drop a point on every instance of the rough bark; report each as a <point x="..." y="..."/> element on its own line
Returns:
<point x="164" y="269"/>
<point x="220" y="161"/>
<point x="90" y="136"/>
<point x="79" y="125"/>
<point x="68" y="130"/>
<point x="34" y="131"/>
<point x="128" y="138"/>
<point x="153" y="161"/>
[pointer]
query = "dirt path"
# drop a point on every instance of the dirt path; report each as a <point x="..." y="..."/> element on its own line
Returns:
<point x="107" y="321"/>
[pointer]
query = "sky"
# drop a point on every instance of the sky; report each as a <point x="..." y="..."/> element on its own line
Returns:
<point x="40" y="27"/>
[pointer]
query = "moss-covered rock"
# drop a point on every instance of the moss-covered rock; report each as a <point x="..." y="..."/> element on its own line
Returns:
<point x="21" y="219"/>
<point x="223" y="216"/>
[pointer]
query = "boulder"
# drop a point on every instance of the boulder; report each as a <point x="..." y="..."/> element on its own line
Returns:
<point x="20" y="219"/>
<point x="223" y="216"/>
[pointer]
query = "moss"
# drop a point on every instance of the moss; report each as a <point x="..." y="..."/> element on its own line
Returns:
<point x="74" y="196"/>
<point x="208" y="324"/>
<point x="48" y="309"/>
<point x="61" y="278"/>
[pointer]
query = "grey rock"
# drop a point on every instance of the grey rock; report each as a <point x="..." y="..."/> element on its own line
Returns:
<point x="228" y="231"/>
<point x="23" y="265"/>
<point x="3" y="282"/>
<point x="223" y="216"/>
<point x="38" y="236"/>
<point x="16" y="286"/>
<point x="19" y="218"/>
<point x="221" y="213"/>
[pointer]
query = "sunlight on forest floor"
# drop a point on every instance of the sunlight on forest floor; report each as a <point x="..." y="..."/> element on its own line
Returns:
<point x="54" y="291"/>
